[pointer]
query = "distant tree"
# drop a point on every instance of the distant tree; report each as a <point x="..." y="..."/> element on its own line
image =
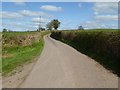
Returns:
<point x="42" y="29"/>
<point x="55" y="23"/>
<point x="4" y="30"/>
<point x="80" y="28"/>
<point x="49" y="26"/>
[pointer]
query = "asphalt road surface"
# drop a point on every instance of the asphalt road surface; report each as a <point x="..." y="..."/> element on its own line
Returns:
<point x="61" y="66"/>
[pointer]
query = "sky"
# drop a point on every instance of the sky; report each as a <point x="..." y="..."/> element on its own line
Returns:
<point x="24" y="16"/>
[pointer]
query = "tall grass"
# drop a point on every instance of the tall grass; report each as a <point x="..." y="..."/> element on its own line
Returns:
<point x="101" y="45"/>
<point x="16" y="56"/>
<point x="14" y="39"/>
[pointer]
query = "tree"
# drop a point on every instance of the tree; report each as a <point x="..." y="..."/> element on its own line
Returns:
<point x="80" y="28"/>
<point x="49" y="26"/>
<point x="42" y="29"/>
<point x="4" y="30"/>
<point x="55" y="23"/>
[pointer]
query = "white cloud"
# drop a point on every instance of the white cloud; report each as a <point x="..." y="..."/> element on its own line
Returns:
<point x="105" y="11"/>
<point x="90" y="24"/>
<point x="19" y="2"/>
<point x="67" y="24"/>
<point x="97" y="24"/>
<point x="51" y="8"/>
<point x="105" y="7"/>
<point x="21" y="14"/>
<point x="31" y="13"/>
<point x="10" y="15"/>
<point x="43" y="20"/>
<point x="37" y="23"/>
<point x="34" y="13"/>
<point x="17" y="26"/>
<point x="105" y="14"/>
<point x="106" y="17"/>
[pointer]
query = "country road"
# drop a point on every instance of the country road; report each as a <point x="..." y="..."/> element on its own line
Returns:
<point x="61" y="66"/>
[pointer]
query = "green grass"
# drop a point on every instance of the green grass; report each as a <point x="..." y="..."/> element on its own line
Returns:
<point x="18" y="56"/>
<point x="101" y="45"/>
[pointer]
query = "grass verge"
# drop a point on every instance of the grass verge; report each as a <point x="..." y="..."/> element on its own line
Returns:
<point x="17" y="56"/>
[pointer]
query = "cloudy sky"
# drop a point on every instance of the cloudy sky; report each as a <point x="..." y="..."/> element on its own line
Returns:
<point x="22" y="16"/>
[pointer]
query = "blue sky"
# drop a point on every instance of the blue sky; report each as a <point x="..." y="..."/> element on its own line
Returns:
<point x="22" y="16"/>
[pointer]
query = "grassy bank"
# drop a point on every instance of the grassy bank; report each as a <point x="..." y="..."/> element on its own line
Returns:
<point x="18" y="54"/>
<point x="101" y="45"/>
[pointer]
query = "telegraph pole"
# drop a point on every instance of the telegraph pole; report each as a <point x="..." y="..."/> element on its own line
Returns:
<point x="40" y="27"/>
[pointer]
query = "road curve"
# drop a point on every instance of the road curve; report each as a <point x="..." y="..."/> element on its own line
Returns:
<point x="61" y="66"/>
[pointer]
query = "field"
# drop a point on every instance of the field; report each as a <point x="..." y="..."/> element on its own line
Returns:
<point x="20" y="48"/>
<point x="101" y="45"/>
